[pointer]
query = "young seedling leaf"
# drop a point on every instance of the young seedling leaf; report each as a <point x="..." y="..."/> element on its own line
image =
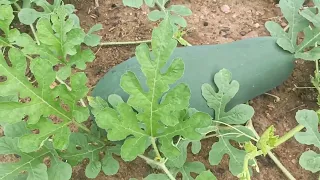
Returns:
<point x="206" y="175"/>
<point x="163" y="120"/>
<point x="59" y="34"/>
<point x="31" y="162"/>
<point x="267" y="140"/>
<point x="217" y="100"/>
<point x="28" y="16"/>
<point x="188" y="168"/>
<point x="310" y="161"/>
<point x="309" y="119"/>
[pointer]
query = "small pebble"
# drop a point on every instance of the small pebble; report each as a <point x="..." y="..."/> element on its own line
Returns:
<point x="256" y="25"/>
<point x="225" y="8"/>
<point x="242" y="33"/>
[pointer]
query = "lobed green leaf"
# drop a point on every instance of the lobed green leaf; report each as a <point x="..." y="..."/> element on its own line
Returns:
<point x="84" y="146"/>
<point x="161" y="110"/>
<point x="217" y="100"/>
<point x="31" y="163"/>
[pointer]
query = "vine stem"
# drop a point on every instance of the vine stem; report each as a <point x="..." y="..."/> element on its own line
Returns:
<point x="123" y="43"/>
<point x="31" y="25"/>
<point x="289" y="135"/>
<point x="159" y="164"/>
<point x="271" y="155"/>
<point x="154" y="145"/>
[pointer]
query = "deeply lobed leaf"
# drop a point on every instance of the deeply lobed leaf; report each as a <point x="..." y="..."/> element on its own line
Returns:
<point x="224" y="146"/>
<point x="32" y="163"/>
<point x="84" y="146"/>
<point x="217" y="100"/>
<point x="42" y="98"/>
<point x="161" y="111"/>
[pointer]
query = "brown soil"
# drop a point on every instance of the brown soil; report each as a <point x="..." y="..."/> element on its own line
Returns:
<point x="207" y="25"/>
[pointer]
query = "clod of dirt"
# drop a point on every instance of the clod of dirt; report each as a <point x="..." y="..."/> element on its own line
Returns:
<point x="225" y="8"/>
<point x="256" y="25"/>
<point x="251" y="34"/>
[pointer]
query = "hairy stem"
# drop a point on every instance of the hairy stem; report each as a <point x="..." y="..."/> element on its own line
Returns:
<point x="289" y="135"/>
<point x="123" y="43"/>
<point x="271" y="155"/>
<point x="31" y="25"/>
<point x="154" y="145"/>
<point x="34" y="34"/>
<point x="159" y="164"/>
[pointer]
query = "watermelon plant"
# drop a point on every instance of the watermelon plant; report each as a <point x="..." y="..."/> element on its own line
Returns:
<point x="157" y="124"/>
<point x="302" y="20"/>
<point x="43" y="96"/>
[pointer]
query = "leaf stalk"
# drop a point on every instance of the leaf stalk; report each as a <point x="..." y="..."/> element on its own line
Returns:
<point x="31" y="25"/>
<point x="159" y="164"/>
<point x="154" y="145"/>
<point x="289" y="135"/>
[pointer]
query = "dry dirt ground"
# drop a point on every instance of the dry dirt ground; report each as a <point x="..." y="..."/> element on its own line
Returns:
<point x="207" y="25"/>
